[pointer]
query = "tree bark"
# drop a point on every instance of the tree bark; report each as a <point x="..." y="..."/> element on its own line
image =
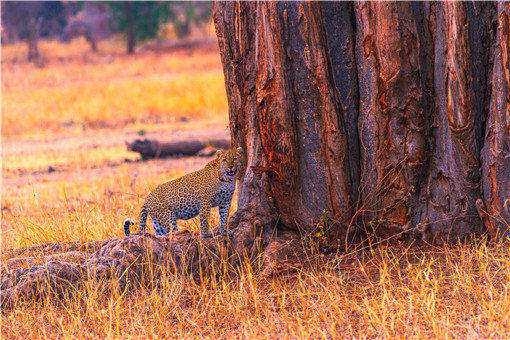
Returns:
<point x="393" y="114"/>
<point x="287" y="116"/>
<point x="461" y="38"/>
<point x="496" y="149"/>
<point x="255" y="217"/>
<point x="340" y="29"/>
<point x="370" y="116"/>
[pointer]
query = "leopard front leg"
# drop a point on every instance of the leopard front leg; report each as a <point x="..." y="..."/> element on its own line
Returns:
<point x="205" y="212"/>
<point x="223" y="211"/>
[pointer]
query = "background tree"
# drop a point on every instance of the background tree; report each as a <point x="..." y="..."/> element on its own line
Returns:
<point x="185" y="14"/>
<point x="30" y="21"/>
<point x="386" y="118"/>
<point x="138" y="20"/>
<point x="142" y="20"/>
<point x="92" y="20"/>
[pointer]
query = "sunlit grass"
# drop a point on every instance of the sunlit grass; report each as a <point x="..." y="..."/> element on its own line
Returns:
<point x="452" y="291"/>
<point x="108" y="91"/>
<point x="387" y="291"/>
<point x="80" y="208"/>
<point x="58" y="160"/>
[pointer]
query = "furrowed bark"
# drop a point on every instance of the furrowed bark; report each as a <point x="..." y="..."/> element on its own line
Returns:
<point x="235" y="29"/>
<point x="393" y="114"/>
<point x="449" y="196"/>
<point x="340" y="31"/>
<point x="300" y="122"/>
<point x="496" y="151"/>
<point x="378" y="103"/>
<point x="293" y="134"/>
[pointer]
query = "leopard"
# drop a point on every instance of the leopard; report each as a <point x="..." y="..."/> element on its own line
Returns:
<point x="192" y="195"/>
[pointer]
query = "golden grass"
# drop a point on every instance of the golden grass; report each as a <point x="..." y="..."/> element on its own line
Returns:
<point x="455" y="291"/>
<point x="388" y="291"/>
<point x="88" y="158"/>
<point x="107" y="91"/>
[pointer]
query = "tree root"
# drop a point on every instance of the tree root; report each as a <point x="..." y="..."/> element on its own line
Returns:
<point x="139" y="260"/>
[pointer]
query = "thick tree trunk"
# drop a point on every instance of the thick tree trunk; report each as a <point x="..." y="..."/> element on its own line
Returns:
<point x="370" y="116"/>
<point x="285" y="111"/>
<point x="461" y="52"/>
<point x="393" y="113"/>
<point x="236" y="38"/>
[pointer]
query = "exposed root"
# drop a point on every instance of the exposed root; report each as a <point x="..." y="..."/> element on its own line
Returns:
<point x="57" y="271"/>
<point x="283" y="255"/>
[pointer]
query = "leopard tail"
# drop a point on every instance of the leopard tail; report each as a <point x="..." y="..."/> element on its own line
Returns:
<point x="143" y="222"/>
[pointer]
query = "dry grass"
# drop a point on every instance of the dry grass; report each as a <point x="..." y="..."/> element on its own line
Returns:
<point x="79" y="91"/>
<point x="460" y="291"/>
<point x="450" y="291"/>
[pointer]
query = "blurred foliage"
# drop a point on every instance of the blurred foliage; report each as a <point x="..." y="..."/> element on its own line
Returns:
<point x="149" y="16"/>
<point x="50" y="18"/>
<point x="184" y="14"/>
<point x="137" y="20"/>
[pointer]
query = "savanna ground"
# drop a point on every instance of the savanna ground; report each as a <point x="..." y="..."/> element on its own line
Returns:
<point x="68" y="177"/>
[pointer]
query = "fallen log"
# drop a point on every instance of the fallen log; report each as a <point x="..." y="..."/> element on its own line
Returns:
<point x="149" y="148"/>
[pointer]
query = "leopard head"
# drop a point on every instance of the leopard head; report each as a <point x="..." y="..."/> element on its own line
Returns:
<point x="230" y="161"/>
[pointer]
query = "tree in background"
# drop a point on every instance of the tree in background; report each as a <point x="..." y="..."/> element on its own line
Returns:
<point x="91" y="20"/>
<point x="139" y="20"/>
<point x="142" y="20"/>
<point x="185" y="14"/>
<point x="30" y="21"/>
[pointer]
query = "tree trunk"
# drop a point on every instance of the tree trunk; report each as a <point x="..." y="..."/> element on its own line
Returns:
<point x="33" y="54"/>
<point x="393" y="114"/>
<point x="130" y="31"/>
<point x="90" y="36"/>
<point x="369" y="116"/>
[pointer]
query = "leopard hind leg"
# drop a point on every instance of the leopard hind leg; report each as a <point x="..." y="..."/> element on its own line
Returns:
<point x="161" y="229"/>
